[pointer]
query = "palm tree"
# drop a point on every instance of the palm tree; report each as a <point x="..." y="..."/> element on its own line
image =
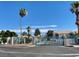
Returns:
<point x="22" y="13"/>
<point x="7" y="33"/>
<point x="3" y="39"/>
<point x="37" y="32"/>
<point x="56" y="35"/>
<point x="28" y="30"/>
<point x="24" y="33"/>
<point x="75" y="9"/>
<point x="49" y="34"/>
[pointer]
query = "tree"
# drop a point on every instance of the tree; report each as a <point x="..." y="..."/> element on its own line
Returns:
<point x="76" y="37"/>
<point x="56" y="35"/>
<point x="13" y="34"/>
<point x="37" y="32"/>
<point x="2" y="34"/>
<point x="49" y="34"/>
<point x="10" y="34"/>
<point x="22" y="13"/>
<point x="28" y="30"/>
<point x="28" y="39"/>
<point x="24" y="33"/>
<point x="7" y="33"/>
<point x="75" y="9"/>
<point x="71" y="35"/>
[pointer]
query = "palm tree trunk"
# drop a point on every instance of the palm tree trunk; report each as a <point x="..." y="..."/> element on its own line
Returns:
<point x="28" y="34"/>
<point x="20" y="27"/>
<point x="20" y="23"/>
<point x="78" y="29"/>
<point x="77" y="20"/>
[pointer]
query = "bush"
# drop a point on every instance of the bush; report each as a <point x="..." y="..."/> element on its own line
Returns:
<point x="4" y="39"/>
<point x="48" y="39"/>
<point x="21" y="40"/>
<point x="28" y="40"/>
<point x="0" y="42"/>
<point x="76" y="37"/>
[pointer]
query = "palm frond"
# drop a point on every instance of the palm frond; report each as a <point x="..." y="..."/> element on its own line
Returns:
<point x="72" y="10"/>
<point x="74" y="6"/>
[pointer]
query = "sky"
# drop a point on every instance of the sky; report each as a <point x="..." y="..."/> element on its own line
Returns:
<point x="44" y="13"/>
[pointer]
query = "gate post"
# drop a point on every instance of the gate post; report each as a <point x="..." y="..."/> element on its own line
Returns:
<point x="12" y="40"/>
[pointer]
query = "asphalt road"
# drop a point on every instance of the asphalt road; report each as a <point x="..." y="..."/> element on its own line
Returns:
<point x="43" y="51"/>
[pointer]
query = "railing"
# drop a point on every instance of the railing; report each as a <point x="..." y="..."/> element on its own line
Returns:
<point x="56" y="42"/>
<point x="40" y="41"/>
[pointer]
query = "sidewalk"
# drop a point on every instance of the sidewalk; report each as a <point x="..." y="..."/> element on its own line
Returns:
<point x="75" y="45"/>
<point x="18" y="45"/>
<point x="31" y="45"/>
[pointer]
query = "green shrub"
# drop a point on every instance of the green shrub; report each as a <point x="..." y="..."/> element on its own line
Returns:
<point x="28" y="40"/>
<point x="4" y="39"/>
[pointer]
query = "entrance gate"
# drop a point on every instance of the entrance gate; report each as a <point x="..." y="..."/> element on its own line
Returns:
<point x="52" y="42"/>
<point x="43" y="41"/>
<point x="56" y="42"/>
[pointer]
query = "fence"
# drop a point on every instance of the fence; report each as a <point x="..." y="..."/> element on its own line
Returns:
<point x="56" y="42"/>
<point x="41" y="41"/>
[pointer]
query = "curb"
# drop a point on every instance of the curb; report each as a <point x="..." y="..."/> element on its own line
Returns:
<point x="75" y="45"/>
<point x="16" y="46"/>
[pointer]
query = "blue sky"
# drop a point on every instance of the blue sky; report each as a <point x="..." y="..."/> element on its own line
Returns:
<point x="40" y="14"/>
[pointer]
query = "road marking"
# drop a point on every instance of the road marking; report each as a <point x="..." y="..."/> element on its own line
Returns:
<point x="39" y="53"/>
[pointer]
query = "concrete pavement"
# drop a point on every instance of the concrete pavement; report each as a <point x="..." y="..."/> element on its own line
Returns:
<point x="42" y="51"/>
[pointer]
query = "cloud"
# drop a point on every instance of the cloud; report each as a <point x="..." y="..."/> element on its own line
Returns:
<point x="53" y="25"/>
<point x="32" y="30"/>
<point x="41" y="28"/>
<point x="44" y="26"/>
<point x="74" y="30"/>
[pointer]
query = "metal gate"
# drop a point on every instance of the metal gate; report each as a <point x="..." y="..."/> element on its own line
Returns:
<point x="52" y="42"/>
<point x="55" y="42"/>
